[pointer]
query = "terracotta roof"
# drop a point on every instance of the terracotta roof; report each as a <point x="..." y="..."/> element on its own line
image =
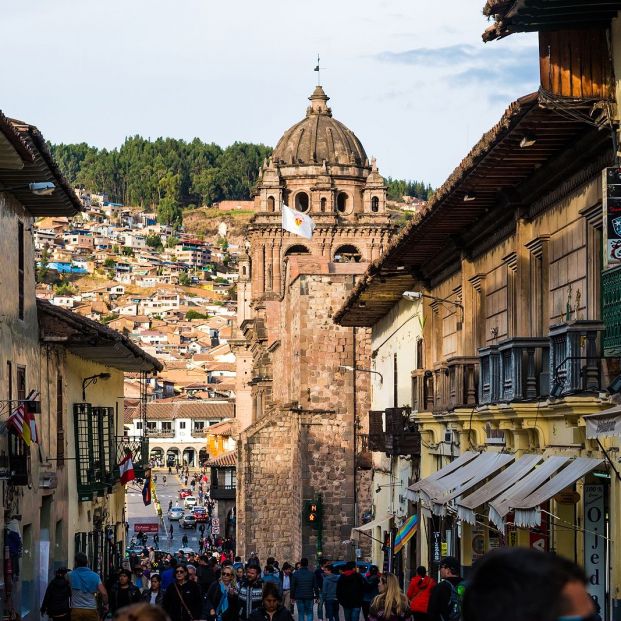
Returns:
<point x="225" y="428"/>
<point x="171" y="410"/>
<point x="528" y="15"/>
<point x="92" y="340"/>
<point x="38" y="166"/>
<point x="227" y="460"/>
<point x="490" y="175"/>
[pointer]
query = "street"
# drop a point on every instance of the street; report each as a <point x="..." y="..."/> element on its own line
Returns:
<point x="138" y="513"/>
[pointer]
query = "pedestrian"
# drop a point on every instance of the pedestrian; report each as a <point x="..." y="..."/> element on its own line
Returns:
<point x="391" y="604"/>
<point x="250" y="590"/>
<point x="328" y="593"/>
<point x="184" y="540"/>
<point x="350" y="592"/>
<point x="271" y="575"/>
<point x="419" y="593"/>
<point x="124" y="593"/>
<point x="271" y="608"/>
<point x="304" y="591"/>
<point x="183" y="600"/>
<point x="169" y="505"/>
<point x="156" y="541"/>
<point x="371" y="590"/>
<point x="222" y="600"/>
<point x="445" y="598"/>
<point x="240" y="574"/>
<point x="154" y="594"/>
<point x="170" y="532"/>
<point x="168" y="575"/>
<point x="285" y="586"/>
<point x="56" y="602"/>
<point x="84" y="584"/>
<point x="519" y="584"/>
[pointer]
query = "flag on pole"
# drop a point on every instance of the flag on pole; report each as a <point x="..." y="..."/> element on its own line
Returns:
<point x="405" y="533"/>
<point x="297" y="223"/>
<point x="23" y="422"/>
<point x="126" y="468"/>
<point x="146" y="490"/>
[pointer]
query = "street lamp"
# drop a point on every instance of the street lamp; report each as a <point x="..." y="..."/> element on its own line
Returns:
<point x="38" y="188"/>
<point x="417" y="296"/>
<point x="349" y="367"/>
<point x="92" y="379"/>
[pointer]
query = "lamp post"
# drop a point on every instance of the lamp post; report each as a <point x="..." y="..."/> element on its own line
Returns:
<point x="92" y="379"/>
<point x="38" y="188"/>
<point x="348" y="367"/>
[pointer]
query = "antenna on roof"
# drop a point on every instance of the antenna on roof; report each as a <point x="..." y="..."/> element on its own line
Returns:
<point x="318" y="70"/>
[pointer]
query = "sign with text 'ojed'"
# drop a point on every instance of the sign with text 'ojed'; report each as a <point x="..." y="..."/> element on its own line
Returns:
<point x="595" y="562"/>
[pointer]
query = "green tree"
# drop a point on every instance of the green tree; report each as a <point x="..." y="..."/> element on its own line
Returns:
<point x="109" y="263"/>
<point x="169" y="212"/>
<point x="43" y="269"/>
<point x="194" y="314"/>
<point x="172" y="241"/>
<point x="154" y="240"/>
<point x="184" y="279"/>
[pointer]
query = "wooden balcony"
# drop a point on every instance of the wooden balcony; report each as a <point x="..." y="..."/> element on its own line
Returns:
<point x="222" y="492"/>
<point x="455" y="384"/>
<point x="391" y="432"/>
<point x="575" y="356"/>
<point x="159" y="433"/>
<point x="514" y="370"/>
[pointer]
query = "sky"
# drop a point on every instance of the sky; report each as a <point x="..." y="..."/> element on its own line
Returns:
<point x="411" y="78"/>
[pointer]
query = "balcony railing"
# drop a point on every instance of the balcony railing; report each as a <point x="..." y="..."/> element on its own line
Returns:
<point x="375" y="437"/>
<point x="392" y="432"/>
<point x="514" y="370"/>
<point x="158" y="433"/>
<point x="454" y="383"/>
<point x="611" y="311"/>
<point x="199" y="433"/>
<point x="222" y="492"/>
<point x="364" y="457"/>
<point x="575" y="355"/>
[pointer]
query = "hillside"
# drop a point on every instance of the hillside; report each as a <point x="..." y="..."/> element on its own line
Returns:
<point x="206" y="221"/>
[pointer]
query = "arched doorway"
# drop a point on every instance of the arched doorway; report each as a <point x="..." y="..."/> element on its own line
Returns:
<point x="347" y="254"/>
<point x="172" y="456"/>
<point x="296" y="249"/>
<point x="189" y="457"/>
<point x="157" y="455"/>
<point x="203" y="456"/>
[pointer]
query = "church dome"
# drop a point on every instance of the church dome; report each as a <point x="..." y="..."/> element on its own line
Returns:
<point x="319" y="138"/>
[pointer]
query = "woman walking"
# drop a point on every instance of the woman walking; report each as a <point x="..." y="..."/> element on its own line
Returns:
<point x="419" y="591"/>
<point x="271" y="608"/>
<point x="182" y="599"/>
<point x="222" y="601"/>
<point x="391" y="604"/>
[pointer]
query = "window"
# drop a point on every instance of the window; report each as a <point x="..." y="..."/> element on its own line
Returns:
<point x="181" y="424"/>
<point x="139" y="424"/>
<point x="347" y="254"/>
<point x="9" y="372"/>
<point x="199" y="425"/>
<point x="60" y="430"/>
<point x="375" y="204"/>
<point x="151" y="425"/>
<point x="302" y="202"/>
<point x="271" y="203"/>
<point x="21" y="383"/>
<point x="342" y="203"/>
<point x="20" y="268"/>
<point x="324" y="203"/>
<point x="166" y="425"/>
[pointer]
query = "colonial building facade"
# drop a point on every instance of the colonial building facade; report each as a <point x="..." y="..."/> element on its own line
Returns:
<point x="297" y="407"/>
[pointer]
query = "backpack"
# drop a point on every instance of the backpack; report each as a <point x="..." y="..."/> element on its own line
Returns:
<point x="455" y="601"/>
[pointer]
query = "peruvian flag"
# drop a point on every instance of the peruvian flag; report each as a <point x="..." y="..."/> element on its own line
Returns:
<point x="127" y="468"/>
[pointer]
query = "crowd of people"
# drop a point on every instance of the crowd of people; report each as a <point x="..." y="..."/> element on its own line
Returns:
<point x="510" y="584"/>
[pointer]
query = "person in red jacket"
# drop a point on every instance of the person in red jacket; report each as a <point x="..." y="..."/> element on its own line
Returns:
<point x="419" y="591"/>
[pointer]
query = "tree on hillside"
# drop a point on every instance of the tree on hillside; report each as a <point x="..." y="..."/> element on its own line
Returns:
<point x="169" y="212"/>
<point x="154" y="240"/>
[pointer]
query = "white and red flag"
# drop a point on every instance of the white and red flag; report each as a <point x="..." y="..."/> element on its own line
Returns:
<point x="126" y="468"/>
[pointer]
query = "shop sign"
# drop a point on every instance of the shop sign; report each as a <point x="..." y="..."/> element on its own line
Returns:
<point x="567" y="497"/>
<point x="594" y="544"/>
<point x="147" y="527"/>
<point x="612" y="217"/>
<point x="436" y="551"/>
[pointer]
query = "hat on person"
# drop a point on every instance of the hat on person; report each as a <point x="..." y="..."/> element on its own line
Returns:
<point x="61" y="571"/>
<point x="450" y="562"/>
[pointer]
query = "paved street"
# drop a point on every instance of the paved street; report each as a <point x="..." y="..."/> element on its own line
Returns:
<point x="138" y="513"/>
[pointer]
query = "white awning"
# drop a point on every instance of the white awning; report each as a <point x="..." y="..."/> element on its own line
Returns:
<point x="382" y="521"/>
<point x="413" y="491"/>
<point x="443" y="490"/>
<point x="527" y="512"/>
<point x="496" y="486"/>
<point x="499" y="507"/>
<point x="604" y="424"/>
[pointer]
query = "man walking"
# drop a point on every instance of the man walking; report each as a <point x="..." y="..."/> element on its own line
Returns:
<point x="445" y="599"/>
<point x="84" y="585"/>
<point x="350" y="592"/>
<point x="304" y="591"/>
<point x="328" y="593"/>
<point x="250" y="591"/>
<point x="285" y="586"/>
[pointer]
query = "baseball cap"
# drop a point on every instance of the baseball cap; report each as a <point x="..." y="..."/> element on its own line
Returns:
<point x="450" y="562"/>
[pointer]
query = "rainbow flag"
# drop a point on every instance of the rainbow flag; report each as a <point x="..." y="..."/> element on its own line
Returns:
<point x="405" y="533"/>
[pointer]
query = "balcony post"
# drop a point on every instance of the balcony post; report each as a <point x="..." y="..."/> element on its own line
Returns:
<point x="592" y="368"/>
<point x="531" y="377"/>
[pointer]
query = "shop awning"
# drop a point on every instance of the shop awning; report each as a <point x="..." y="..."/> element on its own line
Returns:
<point x="499" y="507"/>
<point x="527" y="512"/>
<point x="606" y="423"/>
<point x="517" y="470"/>
<point x="443" y="490"/>
<point x="384" y="522"/>
<point x="413" y="491"/>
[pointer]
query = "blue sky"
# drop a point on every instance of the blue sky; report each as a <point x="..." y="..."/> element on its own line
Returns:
<point x="412" y="79"/>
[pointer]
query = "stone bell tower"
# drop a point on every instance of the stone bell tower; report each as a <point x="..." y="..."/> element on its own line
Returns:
<point x="297" y="409"/>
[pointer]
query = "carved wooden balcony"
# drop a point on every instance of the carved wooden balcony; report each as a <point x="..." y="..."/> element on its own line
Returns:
<point x="514" y="370"/>
<point x="455" y="383"/>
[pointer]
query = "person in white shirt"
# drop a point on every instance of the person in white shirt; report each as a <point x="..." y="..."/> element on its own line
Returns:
<point x="154" y="594"/>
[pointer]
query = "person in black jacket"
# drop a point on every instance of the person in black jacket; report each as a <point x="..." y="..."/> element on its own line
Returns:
<point x="440" y="597"/>
<point x="250" y="591"/>
<point x="124" y="593"/>
<point x="183" y="600"/>
<point x="350" y="592"/>
<point x="271" y="608"/>
<point x="304" y="591"/>
<point x="57" y="600"/>
<point x="215" y="605"/>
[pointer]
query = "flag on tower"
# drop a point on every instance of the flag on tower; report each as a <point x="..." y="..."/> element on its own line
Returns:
<point x="126" y="468"/>
<point x="297" y="223"/>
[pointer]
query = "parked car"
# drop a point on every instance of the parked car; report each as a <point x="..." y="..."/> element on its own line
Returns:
<point x="187" y="521"/>
<point x="200" y="513"/>
<point x="184" y="492"/>
<point x="189" y="502"/>
<point x="176" y="513"/>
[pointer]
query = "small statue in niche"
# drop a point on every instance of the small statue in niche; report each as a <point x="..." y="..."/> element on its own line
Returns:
<point x="577" y="307"/>
<point x="568" y="308"/>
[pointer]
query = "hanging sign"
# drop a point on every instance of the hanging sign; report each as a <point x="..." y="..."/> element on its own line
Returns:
<point x="612" y="217"/>
<point x="595" y="565"/>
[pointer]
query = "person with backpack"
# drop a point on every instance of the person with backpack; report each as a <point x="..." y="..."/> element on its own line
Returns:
<point x="57" y="600"/>
<point x="445" y="602"/>
<point x="419" y="593"/>
<point x="391" y="604"/>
